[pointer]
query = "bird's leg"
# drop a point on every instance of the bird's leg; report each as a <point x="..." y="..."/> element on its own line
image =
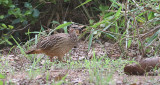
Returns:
<point x="60" y="58"/>
<point x="51" y="59"/>
<point x="64" y="61"/>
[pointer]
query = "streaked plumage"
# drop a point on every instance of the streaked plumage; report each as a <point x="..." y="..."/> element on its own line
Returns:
<point x="56" y="44"/>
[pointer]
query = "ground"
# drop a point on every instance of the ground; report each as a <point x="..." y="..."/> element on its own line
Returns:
<point x="83" y="67"/>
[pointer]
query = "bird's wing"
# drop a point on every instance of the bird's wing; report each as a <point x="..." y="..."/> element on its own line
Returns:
<point x="51" y="41"/>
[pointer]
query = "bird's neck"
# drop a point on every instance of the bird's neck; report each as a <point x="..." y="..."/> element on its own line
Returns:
<point x="73" y="36"/>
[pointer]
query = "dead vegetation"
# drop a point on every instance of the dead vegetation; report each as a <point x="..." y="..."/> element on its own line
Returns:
<point x="83" y="67"/>
<point x="119" y="42"/>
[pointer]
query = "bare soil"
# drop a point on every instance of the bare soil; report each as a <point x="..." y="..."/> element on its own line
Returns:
<point x="20" y="70"/>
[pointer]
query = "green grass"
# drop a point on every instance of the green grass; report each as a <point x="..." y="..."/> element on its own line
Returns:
<point x="100" y="71"/>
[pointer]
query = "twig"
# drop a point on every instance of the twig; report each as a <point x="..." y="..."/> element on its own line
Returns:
<point x="20" y="29"/>
<point x="86" y="11"/>
<point x="143" y="36"/>
<point x="50" y="18"/>
<point x="150" y="33"/>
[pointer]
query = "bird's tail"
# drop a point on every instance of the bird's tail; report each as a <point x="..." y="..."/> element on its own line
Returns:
<point x="34" y="51"/>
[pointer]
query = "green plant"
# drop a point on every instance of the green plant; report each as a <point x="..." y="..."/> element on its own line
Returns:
<point x="1" y="77"/>
<point x="19" y="15"/>
<point x="119" y="21"/>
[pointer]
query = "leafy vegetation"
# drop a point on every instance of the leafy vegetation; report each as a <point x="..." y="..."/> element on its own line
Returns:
<point x="131" y="25"/>
<point x="17" y="15"/>
<point x="1" y="77"/>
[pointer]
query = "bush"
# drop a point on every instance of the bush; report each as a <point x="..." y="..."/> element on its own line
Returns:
<point x="13" y="15"/>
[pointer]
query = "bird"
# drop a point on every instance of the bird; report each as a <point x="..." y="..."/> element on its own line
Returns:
<point x="56" y="45"/>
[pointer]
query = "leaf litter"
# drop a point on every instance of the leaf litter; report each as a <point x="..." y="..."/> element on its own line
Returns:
<point x="20" y="70"/>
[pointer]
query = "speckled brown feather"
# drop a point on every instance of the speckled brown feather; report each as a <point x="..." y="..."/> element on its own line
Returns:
<point x="56" y="45"/>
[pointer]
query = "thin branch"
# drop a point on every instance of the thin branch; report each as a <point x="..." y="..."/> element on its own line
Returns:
<point x="20" y="29"/>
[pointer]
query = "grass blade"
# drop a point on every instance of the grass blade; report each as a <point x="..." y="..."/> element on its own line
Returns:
<point x="21" y="49"/>
<point x="90" y="39"/>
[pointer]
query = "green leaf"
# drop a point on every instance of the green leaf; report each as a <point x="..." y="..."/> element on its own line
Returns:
<point x="120" y="42"/>
<point x="10" y="26"/>
<point x="2" y="76"/>
<point x="55" y="22"/>
<point x="4" y="25"/>
<point x="91" y="21"/>
<point x="106" y="27"/>
<point x="150" y="15"/>
<point x="25" y="22"/>
<point x="152" y="38"/>
<point x="8" y="42"/>
<point x="33" y="32"/>
<point x="129" y="42"/>
<point x="16" y="21"/>
<point x="21" y="49"/>
<point x="103" y="21"/>
<point x="142" y="13"/>
<point x="36" y="13"/>
<point x="111" y="36"/>
<point x="12" y="6"/>
<point x="6" y="1"/>
<point x="61" y="26"/>
<point x="2" y="42"/>
<point x="1" y="16"/>
<point x="90" y="39"/>
<point x="103" y="8"/>
<point x="140" y="19"/>
<point x="65" y="28"/>
<point x="1" y="82"/>
<point x="27" y="12"/>
<point x="27" y="5"/>
<point x="42" y="29"/>
<point x="116" y="27"/>
<point x="66" y="0"/>
<point x="17" y="12"/>
<point x="83" y="3"/>
<point x="118" y="12"/>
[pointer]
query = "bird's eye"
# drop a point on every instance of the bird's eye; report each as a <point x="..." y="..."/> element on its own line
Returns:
<point x="77" y="32"/>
